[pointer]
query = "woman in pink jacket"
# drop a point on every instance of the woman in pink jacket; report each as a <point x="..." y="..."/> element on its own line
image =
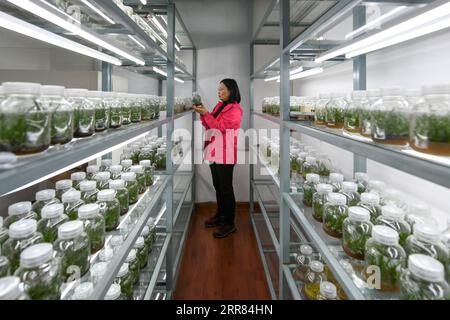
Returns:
<point x="222" y="126"/>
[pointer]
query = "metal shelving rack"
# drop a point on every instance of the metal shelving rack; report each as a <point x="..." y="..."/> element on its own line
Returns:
<point x="293" y="216"/>
<point x="170" y="199"/>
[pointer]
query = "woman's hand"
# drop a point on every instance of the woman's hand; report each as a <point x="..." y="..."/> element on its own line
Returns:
<point x="200" y="109"/>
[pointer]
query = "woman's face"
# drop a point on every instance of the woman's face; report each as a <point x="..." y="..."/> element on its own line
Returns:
<point x="224" y="93"/>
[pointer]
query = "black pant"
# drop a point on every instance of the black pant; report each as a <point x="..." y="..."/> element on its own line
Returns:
<point x="222" y="176"/>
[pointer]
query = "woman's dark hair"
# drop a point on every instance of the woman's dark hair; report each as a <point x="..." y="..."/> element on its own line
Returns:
<point x="231" y="84"/>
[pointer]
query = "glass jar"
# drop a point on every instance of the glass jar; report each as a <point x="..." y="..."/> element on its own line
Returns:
<point x="356" y="230"/>
<point x="424" y="279"/>
<point x="84" y="112"/>
<point x="105" y="164"/>
<point x="72" y="201"/>
<point x="116" y="171"/>
<point x="107" y="254"/>
<point x="196" y="99"/>
<point x="314" y="277"/>
<point x="335" y="109"/>
<point x="61" y="187"/>
<point x="334" y="214"/>
<point x="89" y="191"/>
<point x="309" y="166"/>
<point x="109" y="208"/>
<point x="309" y="187"/>
<point x="147" y="110"/>
<point x="136" y="109"/>
<point x="301" y="159"/>
<point x="102" y="179"/>
<point x="25" y="123"/>
<point x="352" y="112"/>
<point x="52" y="217"/>
<point x="114" y="292"/>
<point x="376" y="186"/>
<point x="98" y="271"/>
<point x="362" y="180"/>
<point x="91" y="171"/>
<point x="350" y="191"/>
<point x="132" y="186"/>
<point x="431" y="121"/>
<point x="365" y="115"/>
<point x="140" y="177"/>
<point x="142" y="252"/>
<point x="116" y="243"/>
<point x="40" y="273"/>
<point x="391" y="117"/>
<point x="44" y="198"/>
<point x="293" y="160"/>
<point x="22" y="234"/>
<point x="133" y="266"/>
<point x="371" y="202"/>
<point x="101" y="110"/>
<point x="147" y="238"/>
<point x="83" y="291"/>
<point x="336" y="180"/>
<point x="327" y="291"/>
<point x="303" y="259"/>
<point x="10" y="289"/>
<point x="19" y="211"/>
<point x="121" y="194"/>
<point x="320" y="109"/>
<point x="325" y="166"/>
<point x="426" y="240"/>
<point x="149" y="172"/>
<point x="385" y="254"/>
<point x="393" y="197"/>
<point x="77" y="178"/>
<point x="3" y="233"/>
<point x="125" y="107"/>
<point x="152" y="231"/>
<point x="52" y="99"/>
<point x="420" y="213"/>
<point x="393" y="217"/>
<point x="73" y="248"/>
<point x="94" y="225"/>
<point x="126" y="165"/>
<point x="125" y="280"/>
<point x="5" y="266"/>
<point x="319" y="200"/>
<point x="160" y="159"/>
<point x="115" y="108"/>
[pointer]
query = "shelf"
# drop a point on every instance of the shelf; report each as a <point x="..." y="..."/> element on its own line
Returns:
<point x="29" y="170"/>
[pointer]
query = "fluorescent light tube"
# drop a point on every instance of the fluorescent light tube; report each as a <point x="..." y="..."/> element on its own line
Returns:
<point x="159" y="25"/>
<point x="53" y="18"/>
<point x="98" y="11"/>
<point x="177" y="47"/>
<point x="272" y="78"/>
<point x="296" y="70"/>
<point x="59" y="10"/>
<point x="136" y="41"/>
<point x="157" y="70"/>
<point x="178" y="80"/>
<point x="306" y="73"/>
<point x="27" y="29"/>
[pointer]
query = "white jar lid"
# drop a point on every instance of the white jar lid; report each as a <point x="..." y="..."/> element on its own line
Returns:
<point x="385" y="235"/>
<point x="71" y="196"/>
<point x="349" y="186"/>
<point x="116" y="169"/>
<point x="324" y="188"/>
<point x="361" y="176"/>
<point x="106" y="254"/>
<point x="78" y="176"/>
<point x="377" y="185"/>
<point x="426" y="232"/>
<point x="83" y="291"/>
<point x="22" y="207"/>
<point x="126" y="163"/>
<point x="70" y="230"/>
<point x="306" y="249"/>
<point x="116" y="241"/>
<point x="36" y="255"/>
<point x="346" y="265"/>
<point x="7" y="158"/>
<point x="139" y="243"/>
<point x="22" y="228"/>
<point x="52" y="211"/>
<point x="391" y="92"/>
<point x="436" y="89"/>
<point x="419" y="208"/>
<point x="370" y="198"/>
<point x="103" y="176"/>
<point x="106" y="195"/>
<point x="89" y="185"/>
<point x="426" y="268"/>
<point x="95" y="94"/>
<point x="337" y="199"/>
<point x="303" y="155"/>
<point x="44" y="195"/>
<point x="311" y="160"/>
<point x="392" y="194"/>
<point x="128" y="176"/>
<point x="316" y="266"/>
<point x="114" y="292"/>
<point x="336" y="177"/>
<point x="10" y="288"/>
<point x="21" y="88"/>
<point x="92" y="169"/>
<point x="123" y="270"/>
<point x="131" y="256"/>
<point x="413" y="92"/>
<point x="106" y="162"/>
<point x="116" y="184"/>
<point x="312" y="177"/>
<point x="88" y="210"/>
<point x="137" y="169"/>
<point x="145" y="163"/>
<point x="75" y="93"/>
<point x="99" y="269"/>
<point x="52" y="91"/>
<point x="63" y="184"/>
<point x="151" y="222"/>
<point x="374" y="93"/>
<point x="392" y="212"/>
<point x="358" y="214"/>
<point x="328" y="290"/>
<point x="359" y="94"/>
<point x="145" y="231"/>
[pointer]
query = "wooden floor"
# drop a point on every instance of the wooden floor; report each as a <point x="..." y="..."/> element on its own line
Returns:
<point x="228" y="268"/>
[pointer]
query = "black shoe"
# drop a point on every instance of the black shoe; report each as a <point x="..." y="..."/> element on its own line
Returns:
<point x="224" y="231"/>
<point x="215" y="221"/>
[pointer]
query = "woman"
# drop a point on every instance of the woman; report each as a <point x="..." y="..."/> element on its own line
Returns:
<point x="222" y="126"/>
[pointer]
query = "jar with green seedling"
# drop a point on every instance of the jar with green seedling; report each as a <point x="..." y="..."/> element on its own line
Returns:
<point x="115" y="109"/>
<point x="140" y="177"/>
<point x="152" y="229"/>
<point x="303" y="259"/>
<point x="10" y="289"/>
<point x="350" y="191"/>
<point x="3" y="233"/>
<point x="77" y="178"/>
<point x="22" y="234"/>
<point x="101" y="110"/>
<point x="301" y="159"/>
<point x="72" y="201"/>
<point x="145" y="154"/>
<point x="52" y="98"/>
<point x="320" y="198"/>
<point x="89" y="191"/>
<point x="142" y="252"/>
<point x="424" y="279"/>
<point x="125" y="280"/>
<point x="196" y="99"/>
<point x="335" y="109"/>
<point x="44" y="198"/>
<point x="147" y="109"/>
<point x="393" y="217"/>
<point x="40" y="272"/>
<point x="314" y="277"/>
<point x="327" y="291"/>
<point x="362" y="180"/>
<point x="126" y="165"/>
<point x="293" y="159"/>
<point x="25" y="123"/>
<point x="97" y="272"/>
<point x="62" y="186"/>
<point x="356" y="230"/>
<point x="419" y="212"/>
<point x="105" y="165"/>
<point x="19" y="211"/>
<point x="132" y="186"/>
<point x="84" y="112"/>
<point x="309" y="188"/>
<point x="52" y="217"/>
<point x="125" y="107"/>
<point x="365" y="115"/>
<point x="160" y="159"/>
<point x="309" y="166"/>
<point x="334" y="214"/>
<point x="320" y="109"/>
<point x="116" y="243"/>
<point x="5" y="266"/>
<point x="336" y="180"/>
<point x="133" y="265"/>
<point x="352" y="113"/>
<point x="94" y="225"/>
<point x="109" y="208"/>
<point x="325" y="166"/>
<point x="384" y="253"/>
<point x="149" y="172"/>
<point x="107" y="254"/>
<point x="116" y="171"/>
<point x="73" y="248"/>
<point x="91" y="171"/>
<point x="148" y="238"/>
<point x="371" y="202"/>
<point x="136" y="109"/>
<point x="102" y="179"/>
<point x="121" y="194"/>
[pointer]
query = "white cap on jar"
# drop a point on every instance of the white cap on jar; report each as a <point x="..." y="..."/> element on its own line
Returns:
<point x="419" y="208"/>
<point x="316" y="266"/>
<point x="18" y="208"/>
<point x="63" y="184"/>
<point x="349" y="186"/>
<point x="328" y="290"/>
<point x="115" y="169"/>
<point x="131" y="256"/>
<point x="336" y="177"/>
<point x="358" y="94"/>
<point x="126" y="163"/>
<point x="116" y="241"/>
<point x="123" y="270"/>
<point x="75" y="93"/>
<point x="92" y="169"/>
<point x="370" y="198"/>
<point x="36" y="255"/>
<point x="106" y="254"/>
<point x="337" y="199"/>
<point x="83" y="291"/>
<point x="361" y="176"/>
<point x="129" y="176"/>
<point x="52" y="211"/>
<point x="139" y="243"/>
<point x="376" y="185"/>
<point x="145" y="163"/>
<point x="392" y="212"/>
<point x="116" y="184"/>
<point x="106" y="195"/>
<point x="10" y="288"/>
<point x="427" y="233"/>
<point x="22" y="229"/>
<point x="145" y="231"/>
<point x="88" y="210"/>
<point x="312" y="177"/>
<point x="114" y="292"/>
<point x="103" y="176"/>
<point x="306" y="249"/>
<point x="78" y="176"/>
<point x="358" y="214"/>
<point x="324" y="188"/>
<point x="99" y="269"/>
<point x="393" y="91"/>
<point x="21" y="88"/>
<point x="436" y="89"/>
<point x="71" y="196"/>
<point x="45" y="195"/>
<point x="106" y="162"/>
<point x="86" y="186"/>
<point x="311" y="160"/>
<point x="137" y="169"/>
<point x="52" y="91"/>
<point x="426" y="268"/>
<point x="385" y="235"/>
<point x="70" y="230"/>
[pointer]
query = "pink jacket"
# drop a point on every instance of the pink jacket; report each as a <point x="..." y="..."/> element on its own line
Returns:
<point x="222" y="133"/>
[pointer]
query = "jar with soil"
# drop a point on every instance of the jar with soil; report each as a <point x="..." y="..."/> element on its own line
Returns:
<point x="121" y="194"/>
<point x="116" y="243"/>
<point x="101" y="110"/>
<point x="320" y="109"/>
<point x="83" y="291"/>
<point x="125" y="107"/>
<point x="152" y="230"/>
<point x="77" y="178"/>
<point x="136" y="109"/>
<point x="125" y="280"/>
<point x="149" y="172"/>
<point x="319" y="200"/>
<point x="83" y="112"/>
<point x="142" y="252"/>
<point x="335" y="109"/>
<point x="334" y="214"/>
<point x="393" y="217"/>
<point x="140" y="177"/>
<point x="327" y="291"/>
<point x="325" y="166"/>
<point x="94" y="225"/>
<point x="303" y="259"/>
<point x="72" y="201"/>
<point x="89" y="191"/>
<point x="147" y="108"/>
<point x="352" y="113"/>
<point x="109" y="208"/>
<point x="160" y="159"/>
<point x="19" y="211"/>
<point x="365" y="116"/>
<point x="314" y="277"/>
<point x="52" y="217"/>
<point x="115" y="108"/>
<point x="350" y="191"/>
<point x="62" y="186"/>
<point x="309" y="188"/>
<point x="310" y="166"/>
<point x="356" y="230"/>
<point x="133" y="266"/>
<point x="132" y="186"/>
<point x="102" y="179"/>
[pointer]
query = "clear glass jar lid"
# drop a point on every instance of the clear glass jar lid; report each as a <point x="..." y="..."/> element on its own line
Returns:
<point x="358" y="94"/>
<point x="36" y="255"/>
<point x="22" y="228"/>
<point x="75" y="93"/>
<point x="117" y="184"/>
<point x="385" y="235"/>
<point x="71" y="196"/>
<point x="78" y="176"/>
<point x="92" y="169"/>
<point x="99" y="269"/>
<point x="337" y="199"/>
<point x="328" y="290"/>
<point x="358" y="214"/>
<point x="316" y="266"/>
<point x="392" y="212"/>
<point x="63" y="184"/>
<point x="10" y="288"/>
<point x="116" y="241"/>
<point x="22" y="207"/>
<point x="139" y="243"/>
<point x="70" y="230"/>
<point x="52" y="211"/>
<point x="87" y="186"/>
<point x="45" y="195"/>
<point x="370" y="198"/>
<point x="106" y="162"/>
<point x="129" y="176"/>
<point x="88" y="210"/>
<point x="324" y="188"/>
<point x="426" y="268"/>
<point x="145" y="231"/>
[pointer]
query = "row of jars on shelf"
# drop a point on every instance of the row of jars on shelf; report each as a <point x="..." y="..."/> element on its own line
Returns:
<point x="75" y="218"/>
<point x="271" y="105"/>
